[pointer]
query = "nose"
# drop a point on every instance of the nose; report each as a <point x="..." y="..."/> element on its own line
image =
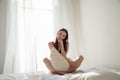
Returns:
<point x="60" y="38"/>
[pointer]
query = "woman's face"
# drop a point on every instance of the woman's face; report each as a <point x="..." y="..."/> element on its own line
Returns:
<point x="61" y="35"/>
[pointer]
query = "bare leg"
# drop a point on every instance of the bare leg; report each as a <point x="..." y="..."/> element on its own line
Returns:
<point x="79" y="61"/>
<point x="49" y="65"/>
<point x="75" y="64"/>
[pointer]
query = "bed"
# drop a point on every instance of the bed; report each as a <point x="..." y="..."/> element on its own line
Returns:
<point x="96" y="73"/>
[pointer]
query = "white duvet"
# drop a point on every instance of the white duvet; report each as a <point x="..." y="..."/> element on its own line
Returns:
<point x="95" y="74"/>
<point x="92" y="74"/>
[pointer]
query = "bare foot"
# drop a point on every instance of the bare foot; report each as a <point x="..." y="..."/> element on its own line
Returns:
<point x="81" y="57"/>
<point x="58" y="72"/>
<point x="78" y="61"/>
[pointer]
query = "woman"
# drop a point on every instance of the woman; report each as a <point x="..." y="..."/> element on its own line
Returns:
<point x="62" y="45"/>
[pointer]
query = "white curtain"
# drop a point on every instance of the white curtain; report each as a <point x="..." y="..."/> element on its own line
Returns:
<point x="10" y="56"/>
<point x="35" y="30"/>
<point x="29" y="29"/>
<point x="31" y="24"/>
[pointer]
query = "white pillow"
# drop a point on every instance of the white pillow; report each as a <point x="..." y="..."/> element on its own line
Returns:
<point x="58" y="61"/>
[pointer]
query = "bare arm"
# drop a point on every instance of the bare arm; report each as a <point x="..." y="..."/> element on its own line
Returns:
<point x="63" y="52"/>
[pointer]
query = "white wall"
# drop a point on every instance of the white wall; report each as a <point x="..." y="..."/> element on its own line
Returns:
<point x="2" y="32"/>
<point x="100" y="32"/>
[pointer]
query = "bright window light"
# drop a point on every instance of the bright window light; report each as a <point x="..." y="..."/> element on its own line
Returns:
<point x="35" y="20"/>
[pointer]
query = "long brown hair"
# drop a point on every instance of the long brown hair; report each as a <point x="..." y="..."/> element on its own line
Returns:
<point x="64" y="40"/>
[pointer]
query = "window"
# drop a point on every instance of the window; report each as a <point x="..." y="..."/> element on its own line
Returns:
<point x="35" y="30"/>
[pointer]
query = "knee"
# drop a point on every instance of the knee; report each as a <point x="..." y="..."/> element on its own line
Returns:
<point x="81" y="57"/>
<point x="45" y="60"/>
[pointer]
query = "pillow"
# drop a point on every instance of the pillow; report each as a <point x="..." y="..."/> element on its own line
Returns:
<point x="58" y="61"/>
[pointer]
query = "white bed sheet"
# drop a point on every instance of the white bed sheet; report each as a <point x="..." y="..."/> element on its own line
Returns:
<point x="30" y="76"/>
<point x="98" y="73"/>
<point x="91" y="74"/>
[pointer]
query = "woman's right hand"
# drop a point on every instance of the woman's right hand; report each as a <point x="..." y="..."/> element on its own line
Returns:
<point x="60" y="42"/>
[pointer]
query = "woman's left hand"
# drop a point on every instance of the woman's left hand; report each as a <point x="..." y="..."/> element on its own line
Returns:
<point x="61" y="43"/>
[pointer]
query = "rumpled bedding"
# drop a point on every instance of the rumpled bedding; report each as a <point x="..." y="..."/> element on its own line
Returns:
<point x="96" y="73"/>
<point x="30" y="76"/>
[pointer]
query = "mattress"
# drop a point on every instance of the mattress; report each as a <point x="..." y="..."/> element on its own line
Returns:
<point x="96" y="73"/>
